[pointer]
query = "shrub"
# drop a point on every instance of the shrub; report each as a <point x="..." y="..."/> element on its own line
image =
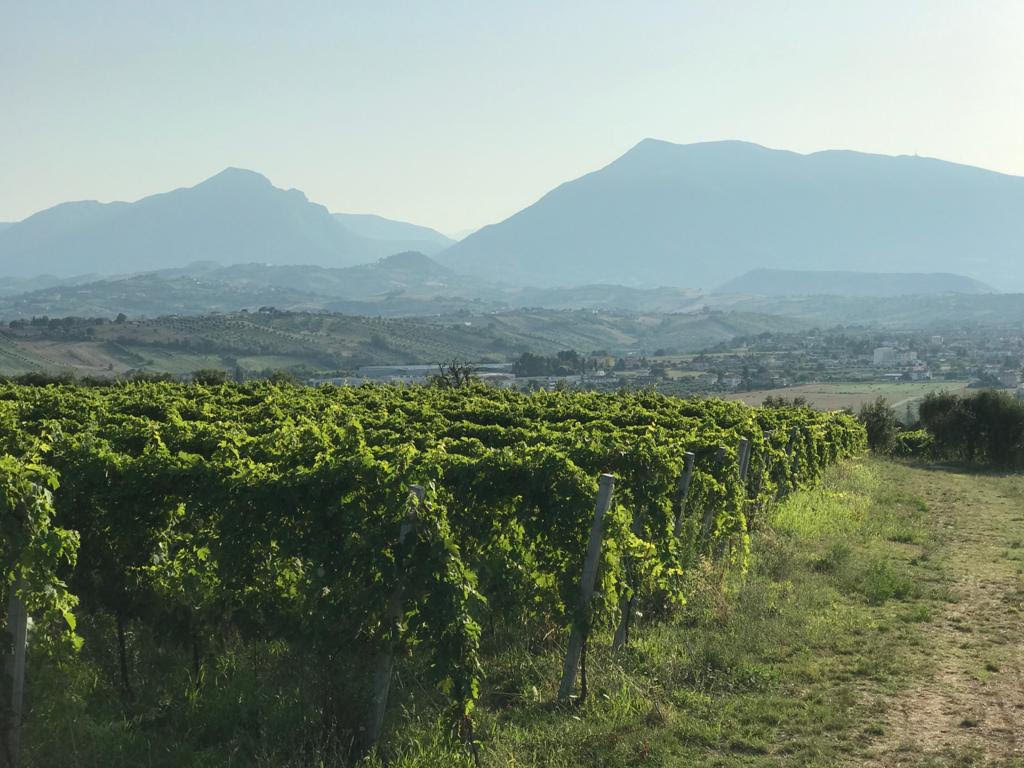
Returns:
<point x="209" y="376"/>
<point x="881" y="424"/>
<point x="987" y="427"/>
<point x="914" y="443"/>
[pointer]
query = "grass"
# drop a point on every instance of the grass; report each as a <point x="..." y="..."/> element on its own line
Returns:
<point x="770" y="670"/>
<point x="857" y="636"/>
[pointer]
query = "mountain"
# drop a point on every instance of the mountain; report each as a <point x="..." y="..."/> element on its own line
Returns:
<point x="697" y="215"/>
<point x="788" y="282"/>
<point x="5" y="224"/>
<point x="394" y="236"/>
<point x="235" y="216"/>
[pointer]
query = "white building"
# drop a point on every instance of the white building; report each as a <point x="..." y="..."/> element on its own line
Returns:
<point x="890" y="357"/>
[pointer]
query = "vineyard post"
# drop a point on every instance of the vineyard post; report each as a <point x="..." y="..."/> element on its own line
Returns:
<point x="744" y="458"/>
<point x="14" y="671"/>
<point x="393" y="617"/>
<point x="764" y="466"/>
<point x="684" y="490"/>
<point x="580" y="627"/>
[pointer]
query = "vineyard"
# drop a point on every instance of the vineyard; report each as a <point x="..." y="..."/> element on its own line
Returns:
<point x="371" y="532"/>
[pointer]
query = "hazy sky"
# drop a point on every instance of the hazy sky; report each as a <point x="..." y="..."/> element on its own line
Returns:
<point x="457" y="114"/>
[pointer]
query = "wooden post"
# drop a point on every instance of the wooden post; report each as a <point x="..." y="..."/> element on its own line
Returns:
<point x="578" y="634"/>
<point x="764" y="466"/>
<point x="684" y="490"/>
<point x="386" y="658"/>
<point x="14" y="671"/>
<point x="743" y="458"/>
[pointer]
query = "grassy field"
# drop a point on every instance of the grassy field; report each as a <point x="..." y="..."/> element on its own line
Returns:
<point x="829" y="396"/>
<point x="881" y="623"/>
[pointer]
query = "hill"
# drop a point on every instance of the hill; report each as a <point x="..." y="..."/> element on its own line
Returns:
<point x="940" y="312"/>
<point x="697" y="215"/>
<point x="788" y="282"/>
<point x="319" y="341"/>
<point x="235" y="216"/>
<point x="398" y="285"/>
<point x="394" y="236"/>
<point x="405" y="280"/>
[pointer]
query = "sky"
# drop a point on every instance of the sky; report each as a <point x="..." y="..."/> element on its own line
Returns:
<point x="458" y="114"/>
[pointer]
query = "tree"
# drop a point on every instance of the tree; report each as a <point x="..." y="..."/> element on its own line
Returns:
<point x="453" y="374"/>
<point x="881" y="424"/>
<point x="209" y="376"/>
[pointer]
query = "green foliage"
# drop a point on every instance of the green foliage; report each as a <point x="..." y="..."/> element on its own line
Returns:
<point x="209" y="376"/>
<point x="881" y="424"/>
<point x="33" y="550"/>
<point x="915" y="443"/>
<point x="986" y="427"/>
<point x="565" y="363"/>
<point x="272" y="513"/>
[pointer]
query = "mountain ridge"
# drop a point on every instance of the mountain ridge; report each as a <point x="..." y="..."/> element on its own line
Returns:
<point x="790" y="282"/>
<point x="236" y="215"/>
<point x="695" y="215"/>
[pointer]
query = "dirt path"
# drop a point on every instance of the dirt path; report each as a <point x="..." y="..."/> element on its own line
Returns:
<point x="967" y="707"/>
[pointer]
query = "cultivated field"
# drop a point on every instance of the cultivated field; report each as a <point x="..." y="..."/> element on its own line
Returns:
<point x="834" y="395"/>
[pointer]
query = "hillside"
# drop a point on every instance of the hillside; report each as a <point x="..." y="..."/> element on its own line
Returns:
<point x="397" y="235"/>
<point x="258" y="341"/>
<point x="204" y="287"/>
<point x="788" y="282"/>
<point x="398" y="285"/>
<point x="235" y="216"/>
<point x="697" y="215"/>
<point x="994" y="310"/>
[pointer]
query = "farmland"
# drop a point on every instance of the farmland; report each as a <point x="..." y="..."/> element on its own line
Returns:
<point x="337" y="533"/>
<point x="873" y="616"/>
<point x="852" y="395"/>
<point x="311" y="342"/>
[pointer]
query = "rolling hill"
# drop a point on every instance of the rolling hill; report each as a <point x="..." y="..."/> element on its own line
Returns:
<point x="402" y="284"/>
<point x="789" y="282"/>
<point x="271" y="339"/>
<point x="698" y="215"/>
<point x="394" y="236"/>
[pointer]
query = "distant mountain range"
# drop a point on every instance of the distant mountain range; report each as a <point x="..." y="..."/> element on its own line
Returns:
<point x="789" y="282"/>
<point x="697" y="215"/>
<point x="690" y="217"/>
<point x="235" y="216"/>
